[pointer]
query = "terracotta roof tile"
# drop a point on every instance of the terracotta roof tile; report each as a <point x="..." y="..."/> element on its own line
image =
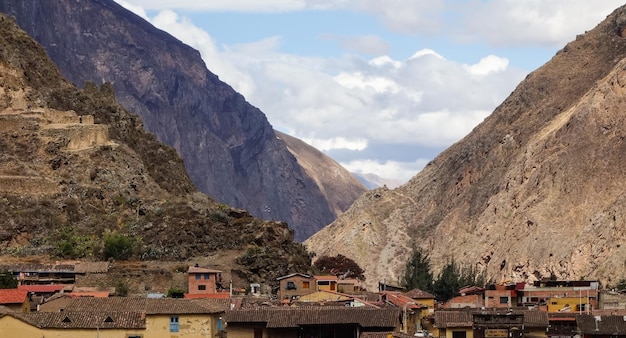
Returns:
<point x="446" y="319"/>
<point x="87" y="320"/>
<point x="13" y="296"/>
<point x="42" y="288"/>
<point x="283" y="317"/>
<point x="419" y="294"/>
<point x="128" y="304"/>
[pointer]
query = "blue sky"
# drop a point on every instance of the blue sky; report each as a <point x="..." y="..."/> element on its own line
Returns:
<point x="380" y="86"/>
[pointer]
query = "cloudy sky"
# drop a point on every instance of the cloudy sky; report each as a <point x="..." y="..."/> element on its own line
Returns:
<point x="380" y="86"/>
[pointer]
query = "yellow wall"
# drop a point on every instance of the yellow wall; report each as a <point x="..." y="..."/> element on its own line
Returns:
<point x="12" y="327"/>
<point x="190" y="326"/>
<point x="73" y="333"/>
<point x="321" y="296"/>
<point x="430" y="302"/>
<point x="556" y="304"/>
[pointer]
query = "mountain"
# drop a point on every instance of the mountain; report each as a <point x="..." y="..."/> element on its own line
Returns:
<point x="536" y="190"/>
<point x="229" y="148"/>
<point x="372" y="181"/>
<point x="77" y="171"/>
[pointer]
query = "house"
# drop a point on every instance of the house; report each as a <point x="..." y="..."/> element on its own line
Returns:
<point x="412" y="312"/>
<point x="326" y="297"/>
<point x="204" y="281"/>
<point x="467" y="301"/>
<point x="310" y="321"/>
<point x="493" y="322"/>
<point x="294" y="285"/>
<point x="38" y="294"/>
<point x="15" y="300"/>
<point x="326" y="283"/>
<point x="540" y="293"/>
<point x="501" y="296"/>
<point x="33" y="274"/>
<point x="348" y="285"/>
<point x="422" y="297"/>
<point x="453" y="324"/>
<point x="591" y="326"/>
<point x="125" y="317"/>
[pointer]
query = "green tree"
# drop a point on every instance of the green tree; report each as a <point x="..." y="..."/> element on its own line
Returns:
<point x="71" y="245"/>
<point x="339" y="265"/>
<point x="175" y="292"/>
<point x="7" y="281"/>
<point x="418" y="273"/>
<point x="448" y="282"/>
<point x="121" y="289"/>
<point x="118" y="246"/>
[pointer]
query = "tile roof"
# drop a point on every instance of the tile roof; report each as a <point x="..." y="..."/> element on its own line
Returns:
<point x="87" y="320"/>
<point x="13" y="296"/>
<point x="42" y="288"/>
<point x="419" y="294"/>
<point x="221" y="295"/>
<point x="38" y="267"/>
<point x="213" y="305"/>
<point x="400" y="300"/>
<point x="149" y="306"/>
<point x="97" y="294"/>
<point x="446" y="319"/>
<point x="606" y="325"/>
<point x="326" y="277"/>
<point x="284" y="317"/>
<point x="195" y="269"/>
<point x="173" y="306"/>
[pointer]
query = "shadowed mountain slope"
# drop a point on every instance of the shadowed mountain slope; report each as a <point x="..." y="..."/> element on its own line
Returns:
<point x="537" y="189"/>
<point x="229" y="149"/>
<point x="77" y="169"/>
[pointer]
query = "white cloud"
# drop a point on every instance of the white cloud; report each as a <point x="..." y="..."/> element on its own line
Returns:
<point x="402" y="171"/>
<point x="367" y="44"/>
<point x="488" y="64"/>
<point x="347" y="103"/>
<point x="134" y="8"/>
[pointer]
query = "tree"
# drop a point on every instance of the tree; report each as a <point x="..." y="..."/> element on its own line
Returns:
<point x="417" y="273"/>
<point x="340" y="266"/>
<point x="448" y="283"/>
<point x="121" y="289"/>
<point x="7" y="281"/>
<point x="118" y="246"/>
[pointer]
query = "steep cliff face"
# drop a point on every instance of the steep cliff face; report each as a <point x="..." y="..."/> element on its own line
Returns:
<point x="75" y="167"/>
<point x="229" y="148"/>
<point x="536" y="189"/>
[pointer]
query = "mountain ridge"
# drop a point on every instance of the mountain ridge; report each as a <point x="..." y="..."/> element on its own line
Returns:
<point x="502" y="197"/>
<point x="229" y="148"/>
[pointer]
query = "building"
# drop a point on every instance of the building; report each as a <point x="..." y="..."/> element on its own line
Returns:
<point x="294" y="285"/>
<point x="310" y="321"/>
<point x="15" y="300"/>
<point x="204" y="281"/>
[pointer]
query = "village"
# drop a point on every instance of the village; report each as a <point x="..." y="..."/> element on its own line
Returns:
<point x="46" y="303"/>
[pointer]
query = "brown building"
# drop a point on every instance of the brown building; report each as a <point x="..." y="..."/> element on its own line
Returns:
<point x="295" y="285"/>
<point x="204" y="281"/>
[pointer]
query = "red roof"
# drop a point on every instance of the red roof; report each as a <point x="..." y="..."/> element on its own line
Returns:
<point x="42" y="288"/>
<point x="13" y="296"/>
<point x="401" y="300"/>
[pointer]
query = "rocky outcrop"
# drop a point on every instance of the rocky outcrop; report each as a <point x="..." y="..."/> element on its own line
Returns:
<point x="230" y="150"/>
<point x="535" y="190"/>
<point x="75" y="167"/>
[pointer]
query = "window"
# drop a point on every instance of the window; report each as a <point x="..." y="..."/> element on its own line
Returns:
<point x="174" y="324"/>
<point x="290" y="285"/>
<point x="323" y="282"/>
<point x="206" y="276"/>
<point x="201" y="287"/>
<point x="504" y="300"/>
<point x="305" y="284"/>
<point x="134" y="336"/>
<point x="197" y="276"/>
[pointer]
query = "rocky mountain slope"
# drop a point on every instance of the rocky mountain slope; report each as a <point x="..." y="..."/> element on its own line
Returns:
<point x="537" y="189"/>
<point x="229" y="149"/>
<point x="76" y="168"/>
